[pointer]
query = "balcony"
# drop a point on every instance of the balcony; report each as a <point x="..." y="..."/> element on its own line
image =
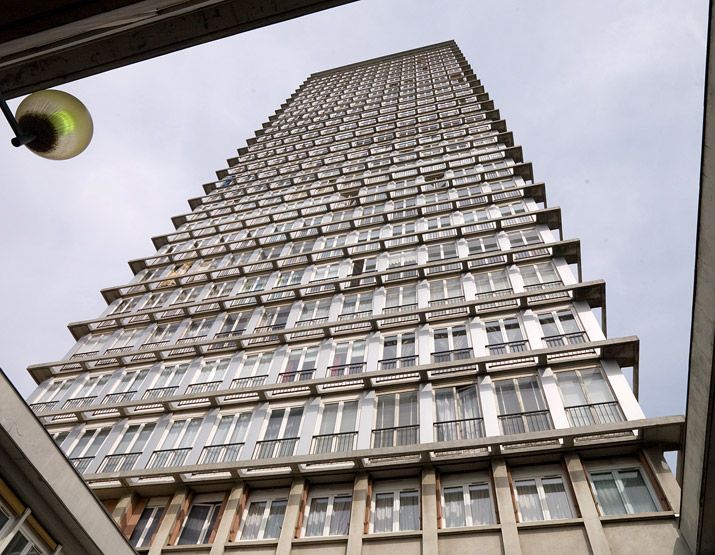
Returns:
<point x="310" y="322"/>
<point x="79" y="402"/>
<point x="454" y="354"/>
<point x="119" y="463"/>
<point x="565" y="339"/>
<point x="545" y="285"/>
<point x="119" y="397"/>
<point x="346" y="369"/>
<point x="41" y="408"/>
<point x="160" y="392"/>
<point x="401" y="362"/>
<point x="226" y="452"/>
<point x="333" y="443"/>
<point x="447" y="301"/>
<point x="398" y="309"/>
<point x="81" y="464"/>
<point x="355" y="315"/>
<point x="597" y="413"/>
<point x="452" y="430"/>
<point x="521" y="422"/>
<point x="392" y="437"/>
<point x="229" y="333"/>
<point x="249" y="381"/>
<point x="204" y="387"/>
<point x="165" y="458"/>
<point x="494" y="293"/>
<point x="296" y="376"/>
<point x="509" y="347"/>
<point x="274" y="448"/>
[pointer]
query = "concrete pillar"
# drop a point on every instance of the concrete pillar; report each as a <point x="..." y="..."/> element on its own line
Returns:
<point x="223" y="533"/>
<point x="622" y="390"/>
<point x="666" y="479"/>
<point x="590" y="324"/>
<point x="368" y="404"/>
<point x="584" y="499"/>
<point x="553" y="398"/>
<point x="173" y="513"/>
<point x="357" y="515"/>
<point x="426" y="416"/>
<point x="291" y="517"/>
<point x="488" y="402"/>
<point x="505" y="508"/>
<point x="428" y="494"/>
<point x="424" y="345"/>
<point x="308" y="426"/>
<point x="121" y="509"/>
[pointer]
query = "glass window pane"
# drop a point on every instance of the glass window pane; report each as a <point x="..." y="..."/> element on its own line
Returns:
<point x="636" y="492"/>
<point x="252" y="525"/>
<point x="480" y="504"/>
<point x="383" y="512"/>
<point x="596" y="386"/>
<point x="275" y="519"/>
<point x="191" y="533"/>
<point x="527" y="497"/>
<point x="454" y="507"/>
<point x="607" y="496"/>
<point x="340" y="521"/>
<point x="409" y="510"/>
<point x="316" y="516"/>
<point x="570" y="388"/>
<point x="556" y="498"/>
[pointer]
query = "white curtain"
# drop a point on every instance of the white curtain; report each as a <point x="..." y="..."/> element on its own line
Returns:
<point x="316" y="516"/>
<point x="340" y="521"/>
<point x="636" y="492"/>
<point x="383" y="512"/>
<point x="252" y="525"/>
<point x="607" y="494"/>
<point x="444" y="400"/>
<point x="275" y="518"/>
<point x="480" y="502"/>
<point x="454" y="507"/>
<point x="557" y="500"/>
<point x="528" y="500"/>
<point x="409" y="510"/>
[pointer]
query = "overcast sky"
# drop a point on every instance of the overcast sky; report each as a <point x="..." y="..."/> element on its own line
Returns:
<point x="605" y="97"/>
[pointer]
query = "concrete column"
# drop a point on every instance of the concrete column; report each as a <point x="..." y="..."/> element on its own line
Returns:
<point x="425" y="413"/>
<point x="469" y="287"/>
<point x="254" y="429"/>
<point x="223" y="532"/>
<point x="367" y="410"/>
<point x="590" y="324"/>
<point x="622" y="390"/>
<point x="425" y="345"/>
<point x="428" y="494"/>
<point x="532" y="329"/>
<point x="324" y="358"/>
<point x="666" y="479"/>
<point x="119" y="514"/>
<point x="584" y="499"/>
<point x="553" y="398"/>
<point x="357" y="515"/>
<point x="478" y="337"/>
<point x="423" y="294"/>
<point x="517" y="282"/>
<point x="308" y="426"/>
<point x="505" y="508"/>
<point x="488" y="402"/>
<point x="564" y="270"/>
<point x="291" y="517"/>
<point x="373" y="346"/>
<point x="173" y="512"/>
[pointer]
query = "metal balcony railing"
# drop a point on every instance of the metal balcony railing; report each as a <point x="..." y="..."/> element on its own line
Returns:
<point x="79" y="402"/>
<point x="447" y="301"/>
<point x="160" y="392"/>
<point x="509" y="347"/>
<point x="494" y="293"/>
<point x="229" y="333"/>
<point x="40" y="408"/>
<point x="466" y="428"/>
<point x="346" y="369"/>
<point x="153" y="345"/>
<point x="296" y="376"/>
<point x="392" y="437"/>
<point x="226" y="452"/>
<point x="596" y="413"/>
<point x="119" y="397"/>
<point x="401" y="362"/>
<point x="249" y="381"/>
<point x="333" y="443"/>
<point x="355" y="315"/>
<point x="565" y="339"/>
<point x="545" y="285"/>
<point x="203" y="387"/>
<point x="81" y="463"/>
<point x="121" y="462"/>
<point x="310" y="322"/>
<point x="518" y="423"/>
<point x="273" y="448"/>
<point x="454" y="354"/>
<point x="164" y="458"/>
<point x="397" y="309"/>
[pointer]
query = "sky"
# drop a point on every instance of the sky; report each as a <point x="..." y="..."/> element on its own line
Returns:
<point x="605" y="98"/>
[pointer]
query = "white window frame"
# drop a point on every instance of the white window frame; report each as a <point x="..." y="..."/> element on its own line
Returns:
<point x="466" y="481"/>
<point x="216" y="503"/>
<point x="321" y="493"/>
<point x="625" y="464"/>
<point x="396" y="488"/>
<point x="538" y="474"/>
<point x="262" y="497"/>
<point x="156" y="505"/>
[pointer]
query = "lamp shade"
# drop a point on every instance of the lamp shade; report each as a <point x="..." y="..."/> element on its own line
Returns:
<point x="59" y="122"/>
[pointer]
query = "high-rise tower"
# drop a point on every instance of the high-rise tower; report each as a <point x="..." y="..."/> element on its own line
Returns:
<point x="368" y="335"/>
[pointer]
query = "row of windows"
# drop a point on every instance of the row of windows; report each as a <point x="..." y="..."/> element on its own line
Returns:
<point x="23" y="541"/>
<point x="465" y="500"/>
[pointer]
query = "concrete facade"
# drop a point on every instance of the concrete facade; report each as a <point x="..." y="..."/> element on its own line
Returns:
<point x="369" y="334"/>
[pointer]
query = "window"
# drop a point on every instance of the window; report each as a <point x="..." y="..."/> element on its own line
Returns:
<point x="438" y="222"/>
<point x="560" y="328"/>
<point x="521" y="406"/>
<point x="622" y="491"/>
<point x="169" y="379"/>
<point x="274" y="318"/>
<point x="407" y="228"/>
<point x="492" y="284"/>
<point x="226" y="439"/>
<point x="524" y="237"/>
<point x="263" y="518"/>
<point x="451" y="343"/>
<point x="127" y="387"/>
<point x="254" y="370"/>
<point x="54" y="391"/>
<point x="122" y="306"/>
<point x="326" y="271"/>
<point x="300" y="364"/>
<point x="348" y="358"/>
<point x="188" y="295"/>
<point x="253" y="284"/>
<point x="125" y="339"/>
<point x="234" y="324"/>
<point x="281" y="434"/>
<point x="396" y="420"/>
<point x="304" y="247"/>
<point x="587" y="397"/>
<point x="127" y="451"/>
<point x="357" y="305"/>
<point x="222" y="289"/>
<point x="402" y="258"/>
<point x="161" y="334"/>
<point x="154" y="300"/>
<point x="200" y="522"/>
<point x="198" y="329"/>
<point x="467" y="501"/>
<point x="479" y="245"/>
<point x="176" y="444"/>
<point x="398" y="351"/>
<point x="327" y="513"/>
<point x="395" y="507"/>
<point x="458" y="413"/>
<point x="441" y="251"/>
<point x="148" y="522"/>
<point x="505" y="336"/>
<point x="86" y="447"/>
<point x="338" y="428"/>
<point x="476" y="216"/>
<point x="446" y="291"/>
<point x="540" y="276"/>
<point x="400" y="298"/>
<point x="364" y="265"/>
<point x="542" y="497"/>
<point x="512" y="209"/>
<point x="88" y="391"/>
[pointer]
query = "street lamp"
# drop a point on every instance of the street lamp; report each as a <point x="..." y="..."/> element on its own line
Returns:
<point x="52" y="124"/>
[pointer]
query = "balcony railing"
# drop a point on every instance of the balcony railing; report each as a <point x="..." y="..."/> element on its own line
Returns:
<point x="346" y="369"/>
<point x="160" y="392"/>
<point x="494" y="293"/>
<point x="401" y="362"/>
<point x="273" y="448"/>
<point x="120" y="462"/>
<point x="454" y="354"/>
<point x="545" y="285"/>
<point x="40" y="408"/>
<point x="229" y="333"/>
<point x="153" y="345"/>
<point x="392" y="437"/>
<point x="164" y="458"/>
<point x="518" y="423"/>
<point x="310" y="322"/>
<point x="565" y="339"/>
<point x="397" y="309"/>
<point x="296" y="376"/>
<point x="226" y="452"/>
<point x="597" y="413"/>
<point x="81" y="463"/>
<point x="447" y="301"/>
<point x="451" y="430"/>
<point x="204" y="387"/>
<point x="119" y="397"/>
<point x="249" y="381"/>
<point x="509" y="347"/>
<point x="79" y="402"/>
<point x="333" y="443"/>
<point x="355" y="315"/>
